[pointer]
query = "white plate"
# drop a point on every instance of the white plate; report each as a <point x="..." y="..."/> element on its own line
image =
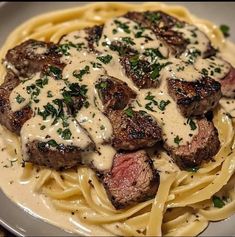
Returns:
<point x="16" y="219"/>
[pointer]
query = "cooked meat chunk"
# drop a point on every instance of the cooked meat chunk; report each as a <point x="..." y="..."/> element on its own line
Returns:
<point x="132" y="179"/>
<point x="195" y="97"/>
<point x="133" y="130"/>
<point x="11" y="120"/>
<point x="203" y="146"/>
<point x="94" y="34"/>
<point x="162" y="25"/>
<point x="228" y="84"/>
<point x="114" y="93"/>
<point x="61" y="157"/>
<point x="141" y="72"/>
<point x="33" y="56"/>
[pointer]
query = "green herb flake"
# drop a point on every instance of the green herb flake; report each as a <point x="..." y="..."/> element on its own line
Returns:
<point x="102" y="127"/>
<point x="192" y="124"/>
<point x="42" y="127"/>
<point x="225" y="30"/>
<point x="52" y="143"/>
<point x="218" y="202"/>
<point x="193" y="169"/>
<point x="128" y="40"/>
<point x="163" y="103"/>
<point x="129" y="112"/>
<point x="122" y="26"/>
<point x="177" y="140"/>
<point x="56" y="72"/>
<point x="79" y="74"/>
<point x="49" y="94"/>
<point x="20" y="99"/>
<point x="105" y="59"/>
<point x="66" y="134"/>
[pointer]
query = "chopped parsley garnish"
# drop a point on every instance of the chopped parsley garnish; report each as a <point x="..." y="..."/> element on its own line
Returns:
<point x="101" y="85"/>
<point x="114" y="31"/>
<point x="52" y="143"/>
<point x="20" y="99"/>
<point x="191" y="123"/>
<point x="42" y="127"/>
<point x="225" y="30"/>
<point x="102" y="127"/>
<point x="96" y="65"/>
<point x="49" y="94"/>
<point x="55" y="72"/>
<point x="177" y="140"/>
<point x="153" y="53"/>
<point x="122" y="26"/>
<point x="179" y="25"/>
<point x="42" y="82"/>
<point x="105" y="59"/>
<point x="64" y="48"/>
<point x="79" y="74"/>
<point x="193" y="54"/>
<point x="218" y="202"/>
<point x="152" y="16"/>
<point x="66" y="134"/>
<point x="217" y="70"/>
<point x="157" y="67"/>
<point x="129" y="112"/>
<point x="149" y="105"/>
<point x="163" y="103"/>
<point x="204" y="71"/>
<point x="128" y="40"/>
<point x="193" y="169"/>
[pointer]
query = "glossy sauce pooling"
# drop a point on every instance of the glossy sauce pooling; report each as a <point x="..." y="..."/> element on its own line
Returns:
<point x="83" y="68"/>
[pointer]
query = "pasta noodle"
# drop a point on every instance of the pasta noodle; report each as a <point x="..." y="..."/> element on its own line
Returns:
<point x="183" y="205"/>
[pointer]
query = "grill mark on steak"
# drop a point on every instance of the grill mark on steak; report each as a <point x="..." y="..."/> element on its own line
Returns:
<point x="140" y="72"/>
<point x="12" y="120"/>
<point x="203" y="147"/>
<point x="114" y="93"/>
<point x="161" y="24"/>
<point x="131" y="180"/>
<point x="132" y="132"/>
<point x="27" y="61"/>
<point x="194" y="97"/>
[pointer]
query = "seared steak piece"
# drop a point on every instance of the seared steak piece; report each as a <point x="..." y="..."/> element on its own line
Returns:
<point x="11" y="120"/>
<point x="94" y="34"/>
<point x="140" y="71"/>
<point x="203" y="146"/>
<point x="132" y="179"/>
<point x="133" y="130"/>
<point x="162" y="25"/>
<point x="58" y="158"/>
<point x="228" y="84"/>
<point x="114" y="93"/>
<point x="194" y="97"/>
<point x="33" y="56"/>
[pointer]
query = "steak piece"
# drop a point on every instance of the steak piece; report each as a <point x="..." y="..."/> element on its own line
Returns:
<point x="93" y="35"/>
<point x="202" y="148"/>
<point x="194" y="97"/>
<point x="140" y="71"/>
<point x="33" y="56"/>
<point x="162" y="25"/>
<point x="61" y="157"/>
<point x="131" y="180"/>
<point x="228" y="84"/>
<point x="12" y="120"/>
<point x="114" y="93"/>
<point x="133" y="130"/>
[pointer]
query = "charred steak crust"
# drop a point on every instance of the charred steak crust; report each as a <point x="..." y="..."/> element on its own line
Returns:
<point x="61" y="157"/>
<point x="93" y="35"/>
<point x="135" y="131"/>
<point x="203" y="147"/>
<point x="194" y="97"/>
<point x="114" y="93"/>
<point x="139" y="71"/>
<point x="132" y="179"/>
<point x="161" y="24"/>
<point x="12" y="120"/>
<point x="33" y="56"/>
